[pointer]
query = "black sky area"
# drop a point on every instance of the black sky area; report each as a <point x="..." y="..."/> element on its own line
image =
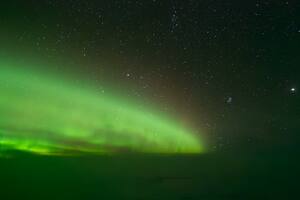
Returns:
<point x="229" y="69"/>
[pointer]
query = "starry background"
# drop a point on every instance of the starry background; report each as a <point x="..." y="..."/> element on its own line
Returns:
<point x="227" y="68"/>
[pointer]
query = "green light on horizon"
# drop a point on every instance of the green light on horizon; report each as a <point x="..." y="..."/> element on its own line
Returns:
<point x="47" y="115"/>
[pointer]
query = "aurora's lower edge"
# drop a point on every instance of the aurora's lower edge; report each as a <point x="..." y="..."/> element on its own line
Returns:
<point x="47" y="115"/>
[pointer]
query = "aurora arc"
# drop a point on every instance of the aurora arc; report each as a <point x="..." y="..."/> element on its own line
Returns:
<point x="43" y="114"/>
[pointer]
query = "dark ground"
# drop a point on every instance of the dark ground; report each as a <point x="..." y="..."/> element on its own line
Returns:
<point x="252" y="175"/>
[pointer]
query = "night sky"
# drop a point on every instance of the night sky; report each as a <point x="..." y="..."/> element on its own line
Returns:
<point x="227" y="70"/>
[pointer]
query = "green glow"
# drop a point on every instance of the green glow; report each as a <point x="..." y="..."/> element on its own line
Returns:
<point x="48" y="115"/>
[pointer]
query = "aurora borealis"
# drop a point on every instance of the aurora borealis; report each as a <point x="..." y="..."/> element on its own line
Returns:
<point x="45" y="115"/>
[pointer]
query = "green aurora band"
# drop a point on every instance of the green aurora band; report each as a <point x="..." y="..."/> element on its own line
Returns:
<point x="48" y="115"/>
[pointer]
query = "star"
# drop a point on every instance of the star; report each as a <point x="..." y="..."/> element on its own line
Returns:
<point x="293" y="90"/>
<point x="229" y="100"/>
